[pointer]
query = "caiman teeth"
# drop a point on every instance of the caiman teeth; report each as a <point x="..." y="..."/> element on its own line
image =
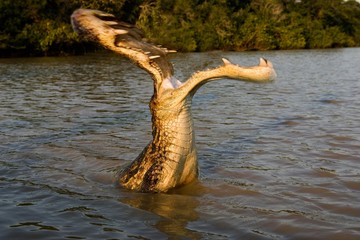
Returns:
<point x="121" y="31"/>
<point x="226" y="62"/>
<point x="104" y="14"/>
<point x="153" y="57"/>
<point x="170" y="159"/>
<point x="111" y="23"/>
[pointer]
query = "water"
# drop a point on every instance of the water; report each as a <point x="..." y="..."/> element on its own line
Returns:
<point x="278" y="160"/>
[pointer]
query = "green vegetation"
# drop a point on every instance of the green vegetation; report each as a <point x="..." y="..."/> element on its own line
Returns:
<point x="42" y="27"/>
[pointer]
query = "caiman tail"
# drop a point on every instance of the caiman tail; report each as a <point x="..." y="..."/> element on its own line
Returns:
<point x="170" y="159"/>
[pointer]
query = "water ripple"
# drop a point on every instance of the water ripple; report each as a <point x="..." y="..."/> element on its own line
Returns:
<point x="277" y="161"/>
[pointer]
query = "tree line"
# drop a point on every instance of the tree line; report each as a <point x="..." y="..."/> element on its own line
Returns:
<point x="42" y="27"/>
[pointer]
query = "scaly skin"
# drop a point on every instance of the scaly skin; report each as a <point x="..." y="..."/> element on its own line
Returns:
<point x="170" y="159"/>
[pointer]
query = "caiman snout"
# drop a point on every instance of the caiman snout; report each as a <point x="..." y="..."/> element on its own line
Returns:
<point x="170" y="159"/>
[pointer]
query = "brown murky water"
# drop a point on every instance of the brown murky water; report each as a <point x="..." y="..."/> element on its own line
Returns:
<point x="278" y="161"/>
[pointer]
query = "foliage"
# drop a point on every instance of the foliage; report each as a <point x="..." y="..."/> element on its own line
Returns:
<point x="42" y="27"/>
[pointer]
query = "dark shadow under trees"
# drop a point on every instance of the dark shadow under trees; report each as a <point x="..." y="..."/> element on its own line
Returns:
<point x="42" y="27"/>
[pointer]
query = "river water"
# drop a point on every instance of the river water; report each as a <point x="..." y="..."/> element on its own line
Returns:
<point x="277" y="161"/>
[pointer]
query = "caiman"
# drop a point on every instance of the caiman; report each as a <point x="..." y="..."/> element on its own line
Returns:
<point x="170" y="159"/>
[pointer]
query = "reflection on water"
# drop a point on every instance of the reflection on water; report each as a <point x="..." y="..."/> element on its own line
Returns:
<point x="175" y="212"/>
<point x="279" y="160"/>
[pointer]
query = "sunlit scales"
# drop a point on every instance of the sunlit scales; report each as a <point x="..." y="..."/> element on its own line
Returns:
<point x="170" y="159"/>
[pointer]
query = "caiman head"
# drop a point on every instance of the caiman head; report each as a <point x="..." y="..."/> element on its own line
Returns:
<point x="170" y="159"/>
<point x="128" y="40"/>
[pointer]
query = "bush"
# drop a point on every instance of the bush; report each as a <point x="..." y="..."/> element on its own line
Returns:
<point x="42" y="27"/>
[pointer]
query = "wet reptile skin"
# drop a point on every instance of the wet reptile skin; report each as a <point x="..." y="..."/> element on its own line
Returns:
<point x="170" y="159"/>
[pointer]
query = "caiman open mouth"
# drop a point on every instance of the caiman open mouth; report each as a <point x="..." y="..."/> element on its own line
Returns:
<point x="170" y="159"/>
